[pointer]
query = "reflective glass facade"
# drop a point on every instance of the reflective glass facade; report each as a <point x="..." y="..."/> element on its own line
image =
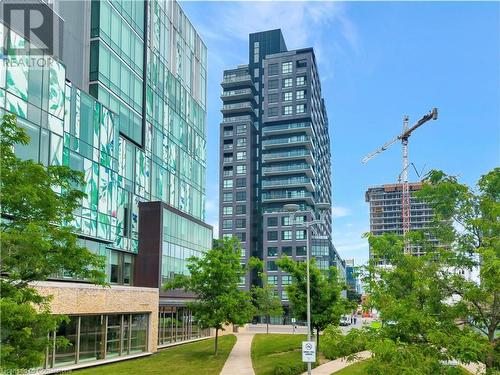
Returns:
<point x="178" y="324"/>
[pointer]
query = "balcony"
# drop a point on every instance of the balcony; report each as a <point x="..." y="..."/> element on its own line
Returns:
<point x="239" y="80"/>
<point x="233" y="119"/>
<point x="288" y="169"/>
<point x="301" y="140"/>
<point x="237" y="94"/>
<point x="237" y="108"/>
<point x="289" y="155"/>
<point x="288" y="129"/>
<point x="277" y="196"/>
<point x="288" y="183"/>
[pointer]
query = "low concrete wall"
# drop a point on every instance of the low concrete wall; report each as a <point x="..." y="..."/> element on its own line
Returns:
<point x="77" y="299"/>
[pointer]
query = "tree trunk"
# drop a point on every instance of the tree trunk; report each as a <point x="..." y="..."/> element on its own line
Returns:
<point x="267" y="325"/>
<point x="317" y="340"/>
<point x="216" y="340"/>
<point x="491" y="354"/>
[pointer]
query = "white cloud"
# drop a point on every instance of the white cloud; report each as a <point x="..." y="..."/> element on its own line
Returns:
<point x="338" y="211"/>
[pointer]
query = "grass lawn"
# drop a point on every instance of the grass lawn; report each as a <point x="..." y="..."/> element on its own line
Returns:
<point x="188" y="359"/>
<point x="270" y="351"/>
<point x="360" y="369"/>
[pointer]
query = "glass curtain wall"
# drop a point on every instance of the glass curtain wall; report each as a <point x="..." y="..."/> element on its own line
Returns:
<point x="97" y="337"/>
<point x="178" y="324"/>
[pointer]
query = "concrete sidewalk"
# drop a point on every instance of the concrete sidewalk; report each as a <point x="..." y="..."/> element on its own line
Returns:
<point x="239" y="361"/>
<point x="338" y="364"/>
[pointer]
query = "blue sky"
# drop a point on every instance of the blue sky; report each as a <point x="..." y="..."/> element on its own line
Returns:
<point x="377" y="61"/>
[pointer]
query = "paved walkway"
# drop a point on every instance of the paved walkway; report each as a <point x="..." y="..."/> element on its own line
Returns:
<point x="239" y="361"/>
<point x="338" y="364"/>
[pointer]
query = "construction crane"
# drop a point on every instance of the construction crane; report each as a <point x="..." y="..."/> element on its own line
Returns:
<point x="404" y="136"/>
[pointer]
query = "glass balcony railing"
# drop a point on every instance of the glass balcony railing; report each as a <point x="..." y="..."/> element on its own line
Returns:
<point x="287" y="181"/>
<point x="287" y="140"/>
<point x="300" y="125"/>
<point x="246" y="105"/>
<point x="237" y="118"/>
<point x="286" y="168"/>
<point x="294" y="194"/>
<point x="236" y="92"/>
<point x="240" y="78"/>
<point x="286" y="154"/>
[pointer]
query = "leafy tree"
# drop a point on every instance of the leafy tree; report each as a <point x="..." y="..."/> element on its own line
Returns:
<point x="431" y="310"/>
<point x="467" y="220"/>
<point x="327" y="304"/>
<point x="266" y="300"/>
<point x="37" y="242"/>
<point x="215" y="278"/>
<point x="419" y="324"/>
<point x="353" y="296"/>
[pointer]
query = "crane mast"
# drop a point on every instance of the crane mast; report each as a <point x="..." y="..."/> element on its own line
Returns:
<point x="405" y="191"/>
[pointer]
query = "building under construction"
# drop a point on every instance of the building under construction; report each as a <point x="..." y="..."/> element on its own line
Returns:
<point x="386" y="210"/>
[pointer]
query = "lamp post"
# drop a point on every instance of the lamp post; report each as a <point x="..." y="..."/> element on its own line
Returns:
<point x="292" y="209"/>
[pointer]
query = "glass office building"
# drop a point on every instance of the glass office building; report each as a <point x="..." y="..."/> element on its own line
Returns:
<point x="123" y="100"/>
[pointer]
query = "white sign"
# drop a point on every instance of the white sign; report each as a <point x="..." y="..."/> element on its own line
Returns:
<point x="308" y="351"/>
<point x="293" y="320"/>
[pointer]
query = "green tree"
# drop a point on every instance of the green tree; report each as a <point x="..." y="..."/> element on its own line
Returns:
<point x="467" y="220"/>
<point x="214" y="279"/>
<point x="327" y="304"/>
<point x="265" y="297"/>
<point x="431" y="310"/>
<point x="37" y="242"/>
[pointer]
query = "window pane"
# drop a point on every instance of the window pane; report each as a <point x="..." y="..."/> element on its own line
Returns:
<point x="91" y="345"/>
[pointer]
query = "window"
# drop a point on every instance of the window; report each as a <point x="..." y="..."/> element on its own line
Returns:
<point x="273" y="84"/>
<point x="300" y="81"/>
<point x="228" y="184"/>
<point x="227" y="224"/>
<point x="300" y="235"/>
<point x="228" y="158"/>
<point x="273" y="69"/>
<point x="271" y="266"/>
<point x="286" y="280"/>
<point x="241" y="223"/>
<point x="272" y="236"/>
<point x="241" y="182"/>
<point x="241" y="169"/>
<point x="272" y="251"/>
<point x="301" y="94"/>
<point x="272" y="112"/>
<point x="241" y="210"/>
<point x="227" y="197"/>
<point x="228" y="171"/>
<point x="256" y="52"/>
<point x="301" y="251"/>
<point x="273" y="280"/>
<point x="227" y="235"/>
<point x="227" y="210"/>
<point x="286" y="250"/>
<point x="285" y="220"/>
<point x="287" y="96"/>
<point x="241" y="196"/>
<point x="241" y="142"/>
<point x="284" y="295"/>
<point x="301" y="63"/>
<point x="242" y="236"/>
<point x="286" y="67"/>
<point x="287" y="82"/>
<point x="272" y="221"/>
<point x="272" y="98"/>
<point x="241" y="129"/>
<point x="286" y="235"/>
<point x="228" y="144"/>
<point x="300" y="108"/>
<point x="241" y="155"/>
<point x="287" y="110"/>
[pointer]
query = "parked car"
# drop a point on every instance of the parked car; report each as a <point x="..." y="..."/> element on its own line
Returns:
<point x="345" y="320"/>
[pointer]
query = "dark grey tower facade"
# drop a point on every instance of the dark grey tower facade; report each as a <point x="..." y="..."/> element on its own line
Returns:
<point x="275" y="149"/>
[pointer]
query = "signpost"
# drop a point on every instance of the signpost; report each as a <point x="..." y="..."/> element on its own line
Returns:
<point x="308" y="351"/>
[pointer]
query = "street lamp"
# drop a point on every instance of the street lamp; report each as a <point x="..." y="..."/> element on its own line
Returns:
<point x="292" y="209"/>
